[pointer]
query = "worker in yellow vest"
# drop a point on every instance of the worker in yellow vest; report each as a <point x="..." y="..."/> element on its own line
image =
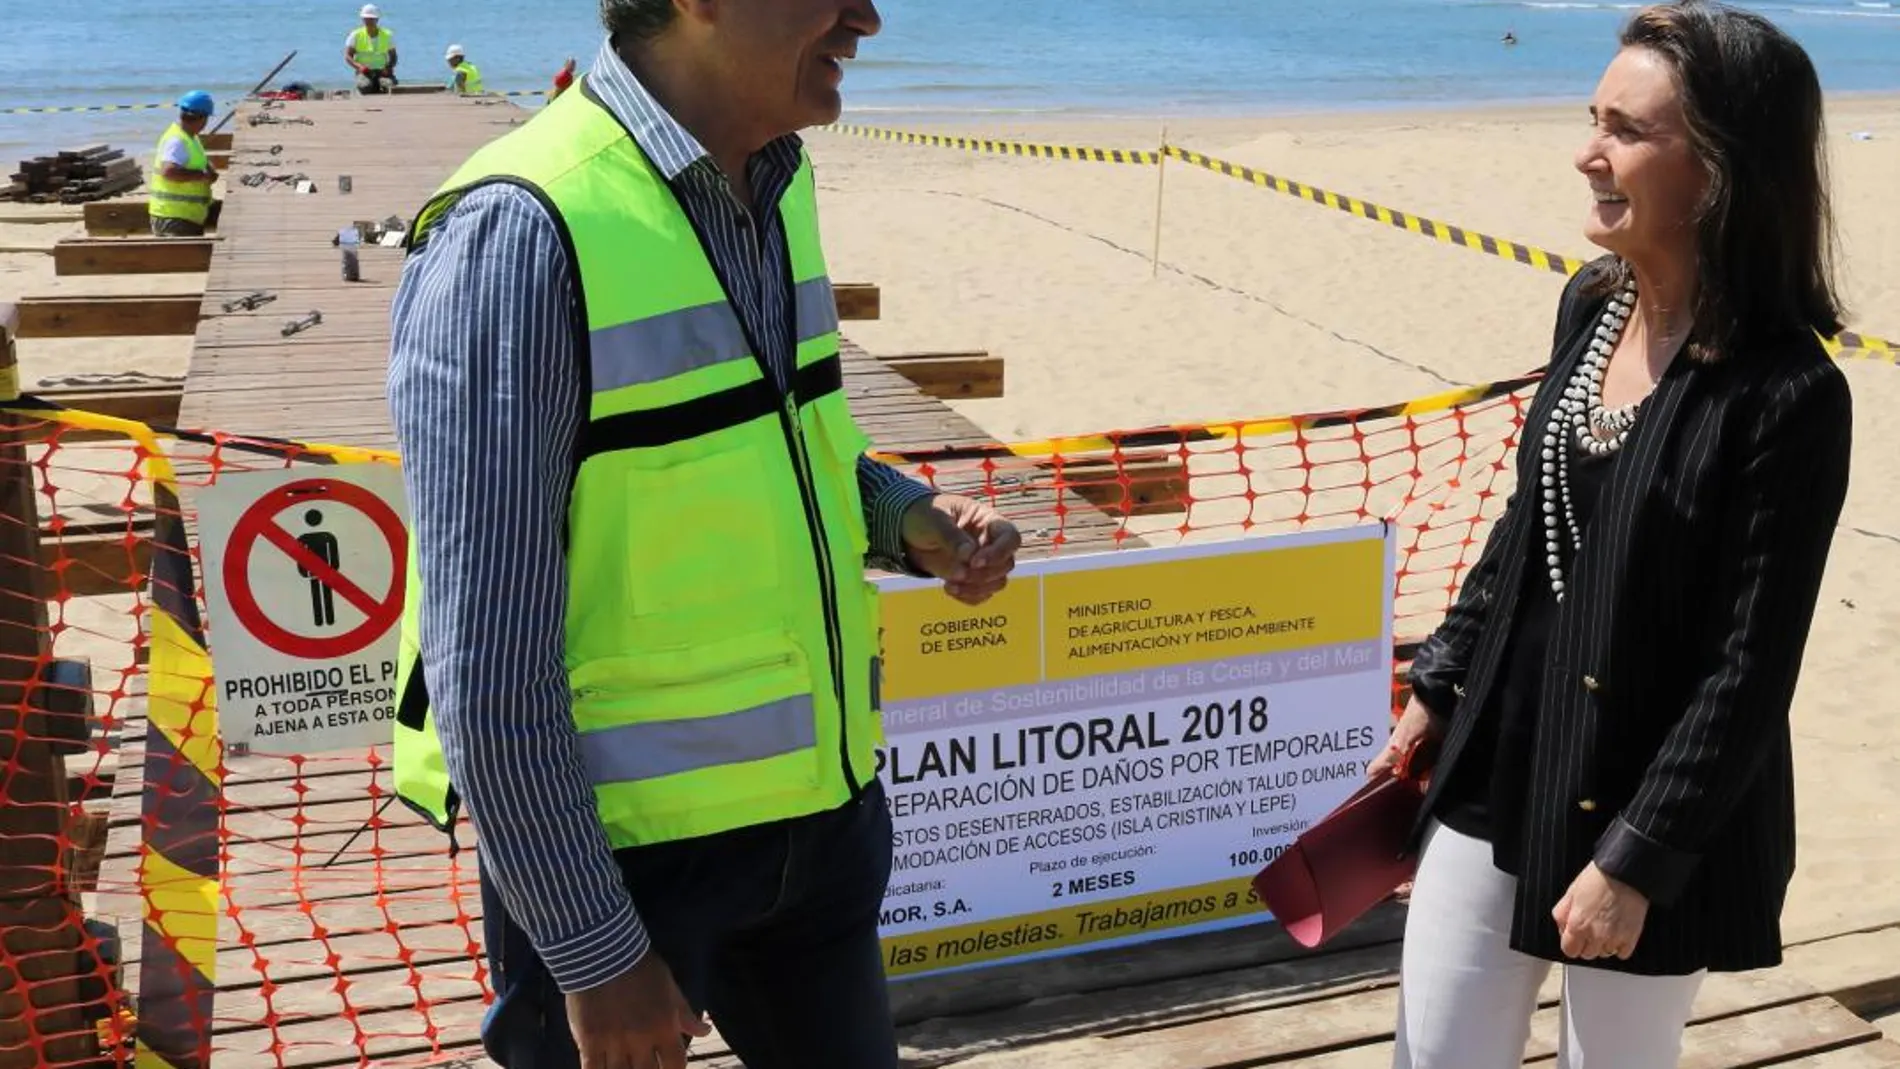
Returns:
<point x="180" y="203"/>
<point x="370" y="50"/>
<point x="638" y="639"/>
<point x="464" y="77"/>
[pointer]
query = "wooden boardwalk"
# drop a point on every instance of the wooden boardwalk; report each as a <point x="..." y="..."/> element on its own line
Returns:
<point x="350" y="933"/>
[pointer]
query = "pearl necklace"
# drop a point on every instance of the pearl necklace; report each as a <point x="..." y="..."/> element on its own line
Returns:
<point x="1599" y="431"/>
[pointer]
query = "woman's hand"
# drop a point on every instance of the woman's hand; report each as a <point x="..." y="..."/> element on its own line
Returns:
<point x="1600" y="917"/>
<point x="1415" y="725"/>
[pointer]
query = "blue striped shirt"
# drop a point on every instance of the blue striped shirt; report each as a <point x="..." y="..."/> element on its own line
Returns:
<point x="484" y="390"/>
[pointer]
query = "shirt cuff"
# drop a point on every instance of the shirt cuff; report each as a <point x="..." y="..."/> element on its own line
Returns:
<point x="884" y="515"/>
<point x="1659" y="873"/>
<point x="598" y="953"/>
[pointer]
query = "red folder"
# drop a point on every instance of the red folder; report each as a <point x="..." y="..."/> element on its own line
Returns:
<point x="1349" y="862"/>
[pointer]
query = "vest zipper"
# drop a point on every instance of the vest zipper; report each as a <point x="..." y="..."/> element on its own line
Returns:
<point x="827" y="580"/>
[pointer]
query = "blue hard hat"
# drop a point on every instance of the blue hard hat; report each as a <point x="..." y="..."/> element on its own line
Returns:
<point x="197" y="102"/>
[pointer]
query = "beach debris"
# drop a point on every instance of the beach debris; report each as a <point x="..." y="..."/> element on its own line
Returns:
<point x="74" y="176"/>
<point x="111" y="378"/>
<point x="300" y="325"/>
<point x="265" y="118"/>
<point x="389" y="233"/>
<point x="1862" y="135"/>
<point x="250" y="301"/>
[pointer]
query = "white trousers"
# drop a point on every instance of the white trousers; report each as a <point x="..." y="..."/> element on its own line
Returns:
<point x="1466" y="998"/>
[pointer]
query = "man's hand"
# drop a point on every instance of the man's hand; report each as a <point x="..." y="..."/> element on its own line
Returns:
<point x="1600" y="917"/>
<point x="634" y="1021"/>
<point x="963" y="542"/>
<point x="210" y="175"/>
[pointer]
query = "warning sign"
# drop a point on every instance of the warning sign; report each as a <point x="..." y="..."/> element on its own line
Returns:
<point x="304" y="579"/>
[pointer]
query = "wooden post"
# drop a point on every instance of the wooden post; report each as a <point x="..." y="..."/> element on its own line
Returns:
<point x="41" y="1019"/>
<point x="1161" y="177"/>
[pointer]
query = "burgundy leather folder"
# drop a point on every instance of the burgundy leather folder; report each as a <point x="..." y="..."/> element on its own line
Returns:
<point x="1349" y="862"/>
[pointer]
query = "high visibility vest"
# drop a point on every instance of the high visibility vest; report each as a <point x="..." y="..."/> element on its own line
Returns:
<point x="721" y="644"/>
<point x="472" y="80"/>
<point x="373" y="52"/>
<point x="173" y="199"/>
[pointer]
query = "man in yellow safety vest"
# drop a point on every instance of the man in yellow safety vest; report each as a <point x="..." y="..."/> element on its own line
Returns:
<point x="465" y="78"/>
<point x="639" y="641"/>
<point x="180" y="203"/>
<point x="370" y="50"/>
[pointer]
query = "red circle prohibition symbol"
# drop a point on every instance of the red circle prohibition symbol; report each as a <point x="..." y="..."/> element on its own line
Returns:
<point x="260" y="522"/>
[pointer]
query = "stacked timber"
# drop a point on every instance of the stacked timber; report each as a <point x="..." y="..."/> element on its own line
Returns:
<point x="75" y="176"/>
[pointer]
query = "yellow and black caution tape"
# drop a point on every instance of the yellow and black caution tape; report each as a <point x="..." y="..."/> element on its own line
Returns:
<point x="1182" y="434"/>
<point x="1528" y="255"/>
<point x="1847" y="344"/>
<point x="83" y="107"/>
<point x="1862" y="347"/>
<point x="994" y="147"/>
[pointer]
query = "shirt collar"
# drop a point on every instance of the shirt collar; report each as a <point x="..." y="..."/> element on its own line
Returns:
<point x="671" y="147"/>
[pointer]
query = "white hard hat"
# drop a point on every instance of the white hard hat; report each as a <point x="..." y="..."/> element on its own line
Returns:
<point x="454" y="51"/>
<point x="371" y="11"/>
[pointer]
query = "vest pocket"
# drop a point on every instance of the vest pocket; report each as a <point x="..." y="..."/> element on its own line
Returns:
<point x="700" y="534"/>
<point x="844" y="443"/>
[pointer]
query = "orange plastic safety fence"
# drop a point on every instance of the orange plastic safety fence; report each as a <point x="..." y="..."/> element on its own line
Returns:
<point x="166" y="901"/>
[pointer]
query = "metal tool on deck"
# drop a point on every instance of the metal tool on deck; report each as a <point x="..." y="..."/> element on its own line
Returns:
<point x="301" y="325"/>
<point x="250" y="301"/>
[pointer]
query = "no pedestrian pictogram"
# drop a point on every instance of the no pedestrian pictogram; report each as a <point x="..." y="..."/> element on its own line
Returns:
<point x="261" y="529"/>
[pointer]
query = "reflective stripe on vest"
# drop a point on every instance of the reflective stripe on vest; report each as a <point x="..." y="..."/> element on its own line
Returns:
<point x="672" y="343"/>
<point x="721" y="638"/>
<point x="172" y="199"/>
<point x="373" y="52"/>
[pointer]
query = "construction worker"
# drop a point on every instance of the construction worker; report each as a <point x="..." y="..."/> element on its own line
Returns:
<point x="370" y="50"/>
<point x="180" y="201"/>
<point x="464" y="77"/>
<point x="638" y="638"/>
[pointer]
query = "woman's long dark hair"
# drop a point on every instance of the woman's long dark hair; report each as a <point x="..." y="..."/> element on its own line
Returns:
<point x="1765" y="228"/>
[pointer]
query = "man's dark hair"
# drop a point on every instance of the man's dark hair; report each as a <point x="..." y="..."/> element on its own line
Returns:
<point x="1765" y="236"/>
<point x="636" y="20"/>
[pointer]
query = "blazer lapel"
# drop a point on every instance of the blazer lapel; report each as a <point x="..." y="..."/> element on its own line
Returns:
<point x="1612" y="535"/>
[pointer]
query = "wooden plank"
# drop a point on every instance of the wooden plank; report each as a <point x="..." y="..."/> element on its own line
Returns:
<point x="93" y="564"/>
<point x="857" y="300"/>
<point x="950" y="375"/>
<point x="1136" y="483"/>
<point x="108" y="317"/>
<point x="132" y="256"/>
<point x="1876" y="1054"/>
<point x="156" y="405"/>
<point x="1861" y="970"/>
<point x="117" y="217"/>
<point x="218" y="142"/>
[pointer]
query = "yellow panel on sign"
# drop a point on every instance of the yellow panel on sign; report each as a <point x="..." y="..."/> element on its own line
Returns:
<point x="936" y="645"/>
<point x="1008" y="937"/>
<point x="1205" y="608"/>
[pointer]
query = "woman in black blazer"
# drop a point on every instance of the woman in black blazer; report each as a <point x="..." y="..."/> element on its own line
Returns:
<point x="1609" y="695"/>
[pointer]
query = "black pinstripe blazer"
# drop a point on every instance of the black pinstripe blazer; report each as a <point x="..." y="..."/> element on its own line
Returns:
<point x="1662" y="747"/>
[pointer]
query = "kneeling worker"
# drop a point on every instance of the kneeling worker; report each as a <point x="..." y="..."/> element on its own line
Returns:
<point x="180" y="203"/>
<point x="370" y="50"/>
<point x="465" y="78"/>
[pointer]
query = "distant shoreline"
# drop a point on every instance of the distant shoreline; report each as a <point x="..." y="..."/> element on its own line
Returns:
<point x="1487" y="109"/>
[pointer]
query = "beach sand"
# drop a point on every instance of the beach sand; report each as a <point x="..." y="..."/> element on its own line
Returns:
<point x="1265" y="304"/>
